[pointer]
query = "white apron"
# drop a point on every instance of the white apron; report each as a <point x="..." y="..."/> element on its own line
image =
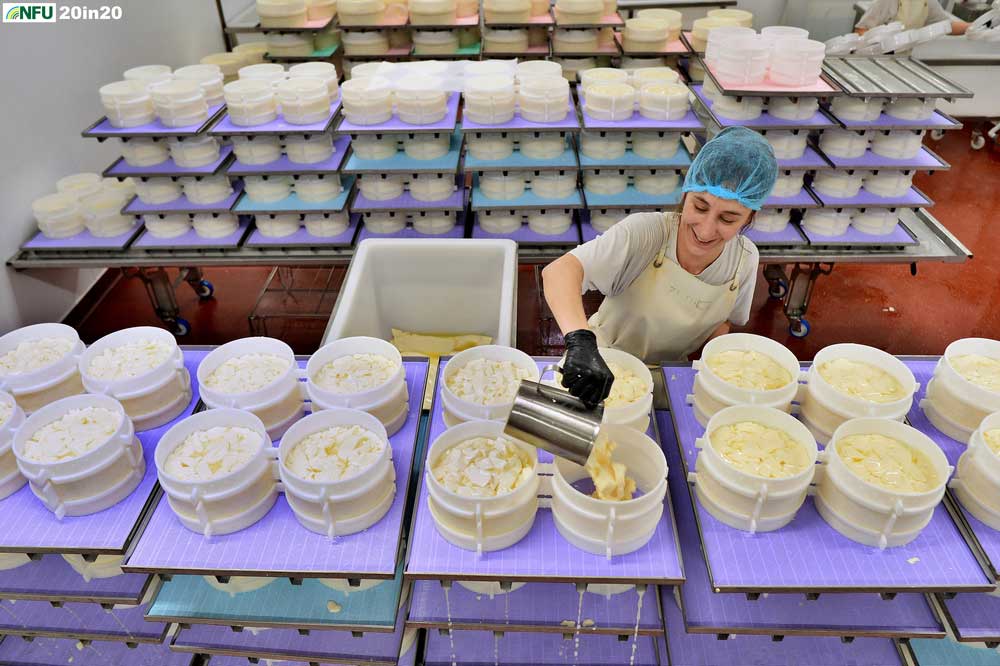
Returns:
<point x="667" y="313"/>
<point x="912" y="13"/>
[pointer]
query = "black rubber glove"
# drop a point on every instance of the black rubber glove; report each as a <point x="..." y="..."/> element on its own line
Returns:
<point x="584" y="372"/>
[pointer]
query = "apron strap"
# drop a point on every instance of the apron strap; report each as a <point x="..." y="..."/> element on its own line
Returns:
<point x="734" y="284"/>
<point x="669" y="229"/>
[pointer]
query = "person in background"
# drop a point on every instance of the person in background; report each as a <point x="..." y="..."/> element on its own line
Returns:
<point x="671" y="280"/>
<point x="911" y="13"/>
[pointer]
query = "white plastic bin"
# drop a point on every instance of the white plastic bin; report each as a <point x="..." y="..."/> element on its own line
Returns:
<point x="10" y="477"/>
<point x="88" y="483"/>
<point x="345" y="506"/>
<point x="38" y="387"/>
<point x="228" y="503"/>
<point x="955" y="405"/>
<point x="458" y="410"/>
<point x="977" y="478"/>
<point x="605" y="527"/>
<point x="747" y="501"/>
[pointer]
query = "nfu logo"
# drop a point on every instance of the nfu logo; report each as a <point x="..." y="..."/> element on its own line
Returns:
<point x="29" y="12"/>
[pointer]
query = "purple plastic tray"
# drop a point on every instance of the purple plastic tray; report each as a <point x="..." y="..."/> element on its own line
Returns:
<point x="810" y="160"/>
<point x="974" y="617"/>
<point x="542" y="555"/>
<point x="765" y="121"/>
<point x="936" y="121"/>
<point x="924" y="161"/>
<point x="534" y="607"/>
<point x="394" y="125"/>
<point x="76" y="620"/>
<point x="52" y="578"/>
<point x="283" y="165"/>
<point x="182" y="205"/>
<point x="306" y="239"/>
<point x="225" y="126"/>
<point x="64" y="652"/>
<point x="914" y="198"/>
<point x="800" y="200"/>
<point x="908" y="615"/>
<point x="810" y="556"/>
<point x="481" y="648"/>
<point x="406" y="202"/>
<point x="190" y="239"/>
<point x="83" y="241"/>
<point x="458" y="231"/>
<point x="122" y="169"/>
<point x="519" y="124"/>
<point x="899" y="236"/>
<point x="525" y="236"/>
<point x="317" y="646"/>
<point x="787" y="237"/>
<point x="706" y="650"/>
<point x="167" y="546"/>
<point x="102" y="128"/>
<point x="29" y="527"/>
<point x="587" y="232"/>
<point x="687" y="123"/>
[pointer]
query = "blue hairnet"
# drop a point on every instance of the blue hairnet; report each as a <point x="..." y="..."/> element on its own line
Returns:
<point x="737" y="164"/>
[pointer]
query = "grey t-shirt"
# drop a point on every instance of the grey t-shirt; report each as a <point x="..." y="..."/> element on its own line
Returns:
<point x="615" y="259"/>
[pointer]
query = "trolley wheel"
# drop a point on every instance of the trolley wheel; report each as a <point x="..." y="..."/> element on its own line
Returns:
<point x="937" y="135"/>
<point x="978" y="142"/>
<point x="179" y="327"/>
<point x="205" y="290"/>
<point x="798" y="328"/>
<point x="777" y="289"/>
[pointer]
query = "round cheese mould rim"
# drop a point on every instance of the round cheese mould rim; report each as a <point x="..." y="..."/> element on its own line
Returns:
<point x="363" y="400"/>
<point x="140" y="385"/>
<point x="256" y="399"/>
<point x="47" y="376"/>
<point x="848" y="406"/>
<point x="725" y="392"/>
<point x="582" y="519"/>
<point x="634" y="414"/>
<point x="468" y="411"/>
<point x="981" y="396"/>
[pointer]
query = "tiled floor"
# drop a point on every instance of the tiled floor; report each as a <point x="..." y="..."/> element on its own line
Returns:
<point x="878" y="305"/>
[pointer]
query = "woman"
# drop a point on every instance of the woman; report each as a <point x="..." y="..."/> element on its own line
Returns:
<point x="671" y="281"/>
<point x="911" y="13"/>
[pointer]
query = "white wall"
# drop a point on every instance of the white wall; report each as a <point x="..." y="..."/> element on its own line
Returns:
<point x="49" y="85"/>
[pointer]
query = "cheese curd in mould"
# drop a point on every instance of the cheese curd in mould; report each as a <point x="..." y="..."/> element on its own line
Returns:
<point x="72" y="435"/>
<point x="749" y="370"/>
<point x="6" y="409"/>
<point x="355" y="373"/>
<point x="487" y="382"/>
<point x="335" y="453"/>
<point x="626" y="389"/>
<point x="483" y="467"/>
<point x="887" y="463"/>
<point x="862" y="380"/>
<point x="980" y="370"/>
<point x="34" y="355"/>
<point x="991" y="437"/>
<point x="212" y="453"/>
<point x="760" y="450"/>
<point x="250" y="372"/>
<point x="611" y="479"/>
<point x="131" y="359"/>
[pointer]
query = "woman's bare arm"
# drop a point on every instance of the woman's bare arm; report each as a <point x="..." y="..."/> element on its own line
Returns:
<point x="563" y="284"/>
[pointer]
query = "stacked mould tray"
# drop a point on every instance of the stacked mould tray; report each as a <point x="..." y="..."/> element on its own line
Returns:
<point x="405" y="209"/>
<point x="312" y="599"/>
<point x="520" y="131"/>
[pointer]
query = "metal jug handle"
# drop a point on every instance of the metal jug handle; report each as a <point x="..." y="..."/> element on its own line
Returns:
<point x="551" y="367"/>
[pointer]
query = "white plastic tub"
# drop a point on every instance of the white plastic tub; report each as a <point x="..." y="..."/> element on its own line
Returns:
<point x="282" y="13"/>
<point x="421" y="100"/>
<point x="269" y="72"/>
<point x="875" y="221"/>
<point x="228" y="503"/>
<point x="127" y="104"/>
<point x="88" y="483"/>
<point x="500" y="221"/>
<point x="747" y="501"/>
<point x="36" y="388"/>
<point x="603" y="145"/>
<point x="257" y="149"/>
<point x="605" y="181"/>
<point x="911" y="109"/>
<point x="549" y="222"/>
<point x="663" y="101"/>
<point x="481" y="524"/>
<point x="579" y="12"/>
<point x="888" y="183"/>
<point x="139" y="152"/>
<point x="827" y="222"/>
<point x="10" y="476"/>
<point x="824" y="408"/>
<point x="167" y="226"/>
<point x="325" y="71"/>
<point x="746" y="108"/>
<point x="793" y="108"/>
<point x="277" y="405"/>
<point x="309" y="148"/>
<point x="361" y="12"/>
<point x="656" y="181"/>
<point x="194" y="151"/>
<point x="381" y="187"/>
<point x="202" y="190"/>
<point x="290" y="45"/>
<point x="326" y="225"/>
<point x="542" y="145"/>
<point x="385" y="223"/>
<point x="543" y="99"/>
<point x="58" y="215"/>
<point x="105" y="566"/>
<point x="148" y="75"/>
<point x="489" y="99"/>
<point x="155" y="191"/>
<point x="277" y="226"/>
<point x="431" y="186"/>
<point x="489" y="146"/>
<point x="426" y="146"/>
<point x="839" y="184"/>
<point x="672" y="17"/>
<point x="636" y="414"/>
<point x="857" y="109"/>
<point x="566" y="40"/>
<point x="843" y="143"/>
<point x="503" y="185"/>
<point x="741" y="60"/>
<point x="738" y="16"/>
<point x="179" y="103"/>
<point x="313" y="188"/>
<point x="365" y="43"/>
<point x="375" y="146"/>
<point x="601" y="76"/>
<point x="611" y="101"/>
<point x="435" y="42"/>
<point x="458" y="410"/>
<point x="433" y="12"/>
<point x="787" y="145"/>
<point x="643" y="75"/>
<point x="208" y="76"/>
<point x="345" y="506"/>
<point x="786" y="185"/>
<point x="497" y="40"/>
<point x="267" y="188"/>
<point x="771" y="220"/>
<point x="713" y="394"/>
<point x="867" y="513"/>
<point x="796" y="62"/>
<point x="603" y="219"/>
<point x="214" y="225"/>
<point x="79" y="185"/>
<point x="230" y="62"/>
<point x="901" y="145"/>
<point x="303" y="100"/>
<point x="251" y="102"/>
<point x="646" y="34"/>
<point x="977" y="478"/>
<point x="366" y="101"/>
<point x="553" y="184"/>
<point x="528" y="68"/>
<point x="655" y="145"/>
<point x="507" y="11"/>
<point x="719" y="39"/>
<point x="604" y="527"/>
<point x="955" y="405"/>
<point x="103" y="217"/>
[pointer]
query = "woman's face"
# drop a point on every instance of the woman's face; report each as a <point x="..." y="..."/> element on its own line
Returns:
<point x="708" y="221"/>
